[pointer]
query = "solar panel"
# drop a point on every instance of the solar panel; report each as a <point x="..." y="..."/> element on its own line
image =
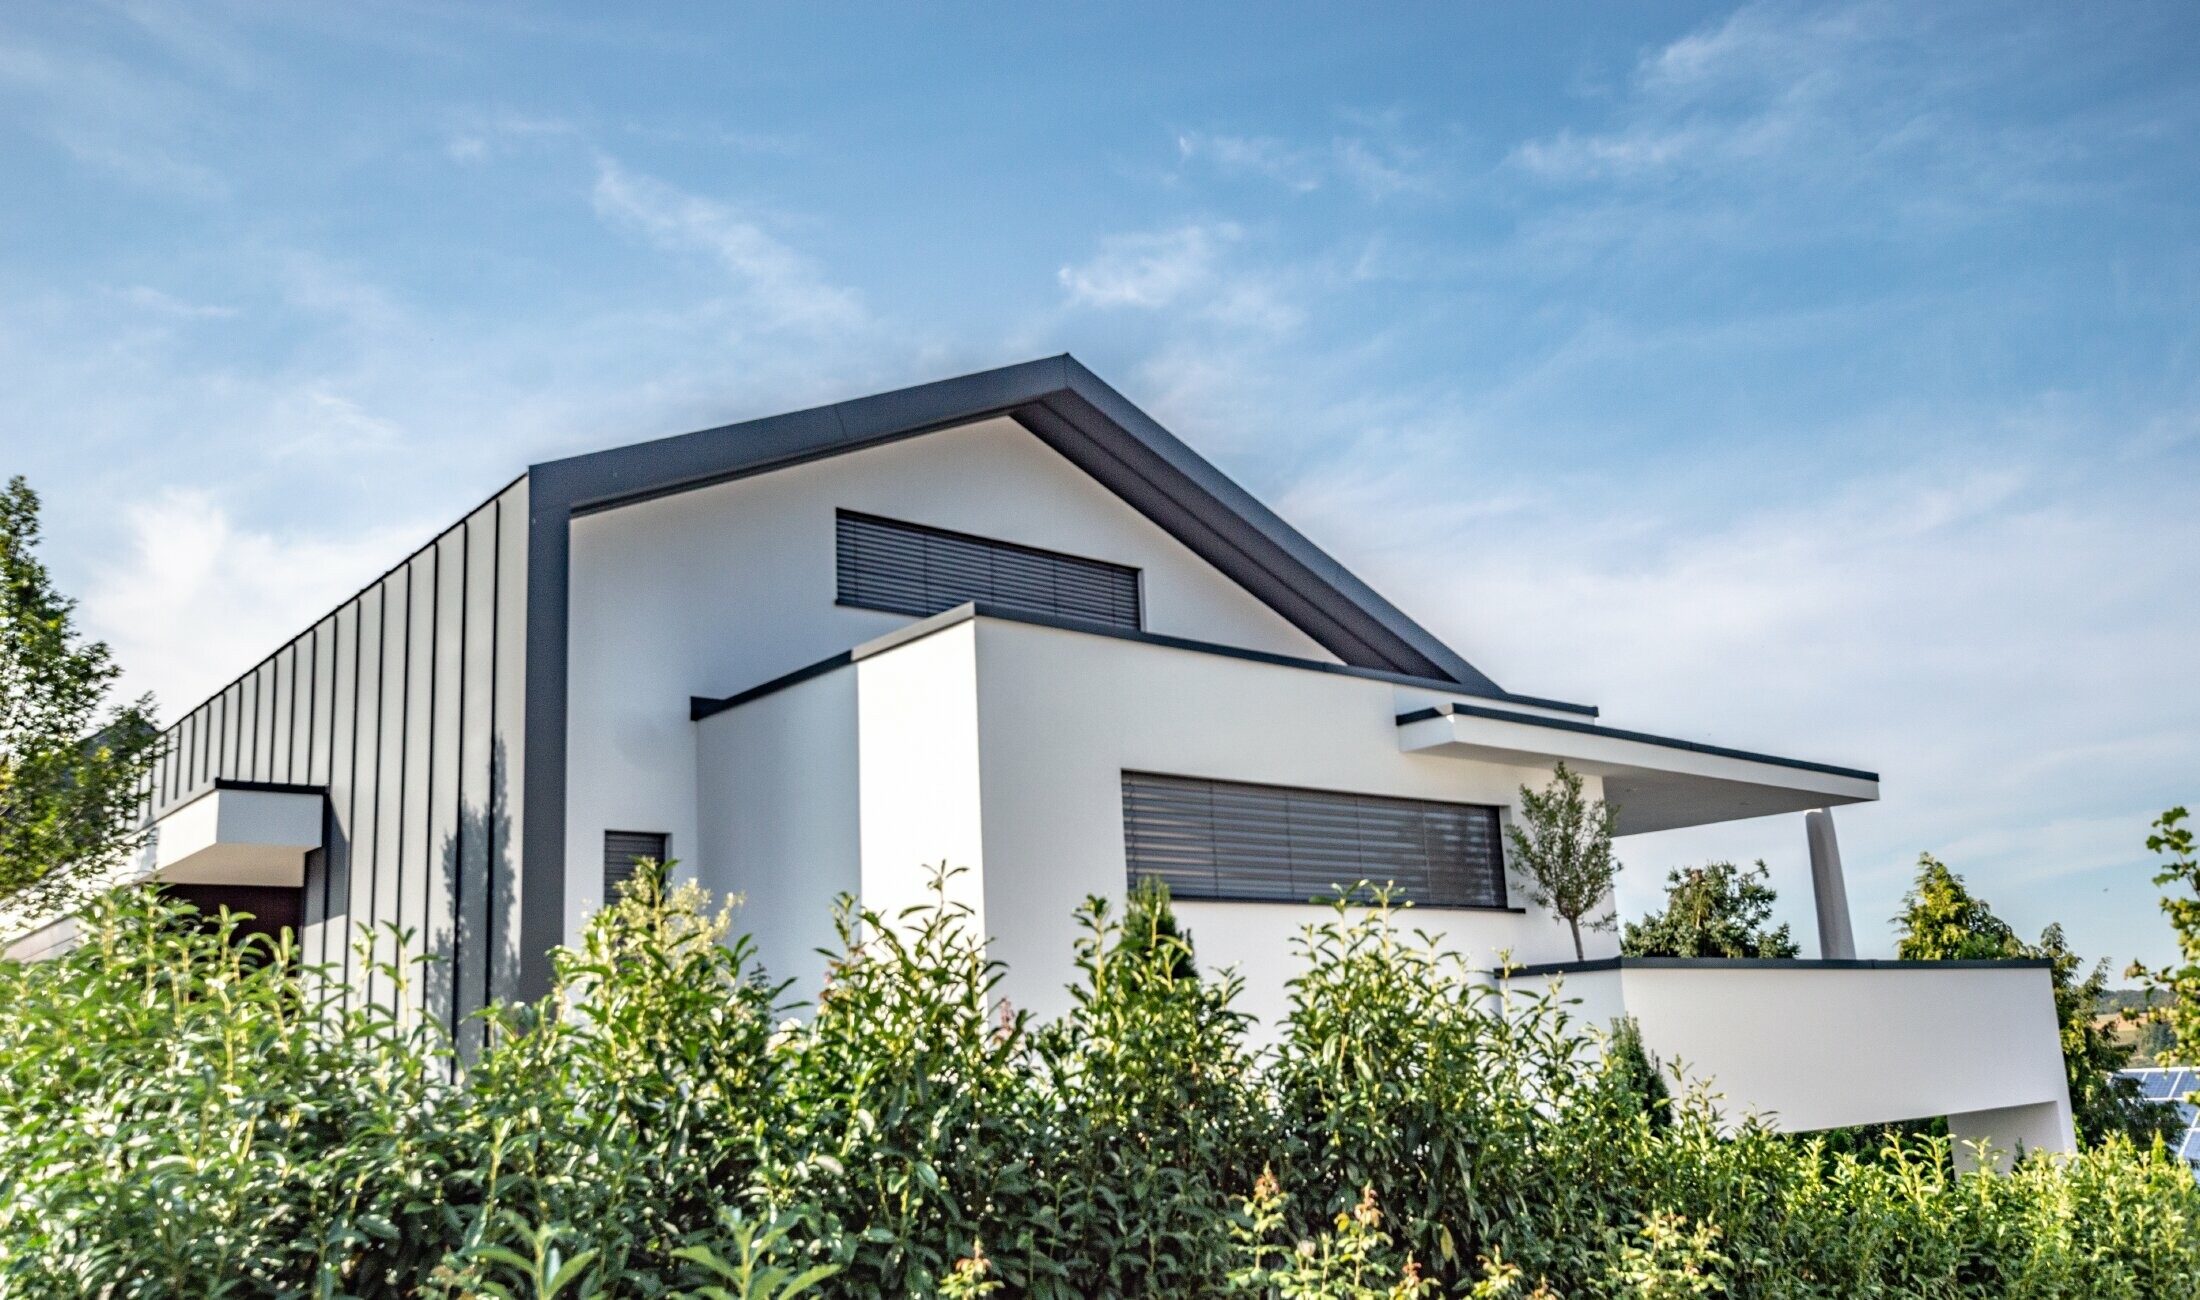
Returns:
<point x="2177" y="1085"/>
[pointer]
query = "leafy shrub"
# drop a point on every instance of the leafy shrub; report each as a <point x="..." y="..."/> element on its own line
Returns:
<point x="185" y="1115"/>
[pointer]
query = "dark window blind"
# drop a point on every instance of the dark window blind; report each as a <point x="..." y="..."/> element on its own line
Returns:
<point x="912" y="569"/>
<point x="621" y="850"/>
<point x="1227" y="840"/>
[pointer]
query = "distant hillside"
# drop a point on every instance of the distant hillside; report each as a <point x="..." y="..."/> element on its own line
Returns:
<point x="2147" y="1040"/>
<point x="2122" y="1000"/>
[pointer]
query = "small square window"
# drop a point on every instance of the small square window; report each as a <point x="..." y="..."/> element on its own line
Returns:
<point x="622" y="851"/>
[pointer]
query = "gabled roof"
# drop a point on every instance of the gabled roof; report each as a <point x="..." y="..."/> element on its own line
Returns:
<point x="1097" y="429"/>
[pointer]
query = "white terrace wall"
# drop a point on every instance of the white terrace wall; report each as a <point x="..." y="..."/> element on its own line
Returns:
<point x="1808" y="1046"/>
<point x="999" y="747"/>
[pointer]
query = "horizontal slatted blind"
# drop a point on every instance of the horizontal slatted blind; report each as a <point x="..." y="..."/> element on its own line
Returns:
<point x="1228" y="840"/>
<point x="911" y="569"/>
<point x="621" y="851"/>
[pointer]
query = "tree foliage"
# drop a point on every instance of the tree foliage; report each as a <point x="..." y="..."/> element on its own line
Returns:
<point x="1563" y="846"/>
<point x="1716" y="910"/>
<point x="1943" y="921"/>
<point x="69" y="767"/>
<point x="182" y="1117"/>
<point x="2179" y="1007"/>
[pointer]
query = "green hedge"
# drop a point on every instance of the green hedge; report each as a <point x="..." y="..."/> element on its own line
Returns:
<point x="184" y="1116"/>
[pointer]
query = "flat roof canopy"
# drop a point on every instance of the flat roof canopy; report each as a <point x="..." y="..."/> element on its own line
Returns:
<point x="239" y="834"/>
<point x="1657" y="783"/>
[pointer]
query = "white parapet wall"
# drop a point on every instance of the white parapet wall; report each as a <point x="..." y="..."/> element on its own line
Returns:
<point x="1808" y="1045"/>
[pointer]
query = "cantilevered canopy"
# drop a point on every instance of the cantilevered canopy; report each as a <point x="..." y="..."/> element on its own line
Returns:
<point x="1657" y="783"/>
<point x="239" y="833"/>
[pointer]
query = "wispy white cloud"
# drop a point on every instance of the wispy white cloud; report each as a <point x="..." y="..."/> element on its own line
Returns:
<point x="785" y="287"/>
<point x="1183" y="270"/>
<point x="197" y="598"/>
<point x="159" y="303"/>
<point x="1290" y="166"/>
<point x="143" y="125"/>
<point x="1149" y="269"/>
<point x="1373" y="158"/>
<point x="1983" y="623"/>
<point x="1380" y="172"/>
<point x="480" y="135"/>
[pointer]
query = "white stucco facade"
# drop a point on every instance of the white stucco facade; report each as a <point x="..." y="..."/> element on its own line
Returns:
<point x="997" y="746"/>
<point x="716" y="590"/>
<point x="652" y="640"/>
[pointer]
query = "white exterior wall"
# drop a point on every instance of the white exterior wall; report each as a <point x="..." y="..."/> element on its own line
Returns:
<point x="1063" y="715"/>
<point x="999" y="747"/>
<point x="922" y="784"/>
<point x="1810" y="1047"/>
<point x="777" y="820"/>
<point x="715" y="590"/>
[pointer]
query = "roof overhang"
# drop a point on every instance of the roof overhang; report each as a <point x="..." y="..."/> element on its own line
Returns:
<point x="239" y="834"/>
<point x="1656" y="783"/>
<point x="1094" y="427"/>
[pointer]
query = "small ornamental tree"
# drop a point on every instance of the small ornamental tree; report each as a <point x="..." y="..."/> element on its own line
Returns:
<point x="1563" y="845"/>
<point x="1716" y="910"/>
<point x="69" y="768"/>
<point x="2180" y="1009"/>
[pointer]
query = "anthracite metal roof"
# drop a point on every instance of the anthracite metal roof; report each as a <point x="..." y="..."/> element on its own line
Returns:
<point x="1096" y="428"/>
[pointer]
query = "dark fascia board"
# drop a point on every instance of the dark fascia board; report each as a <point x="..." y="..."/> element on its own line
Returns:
<point x="1644" y="737"/>
<point x="1244" y="527"/>
<point x="621" y="476"/>
<point x="221" y="783"/>
<point x="703" y="706"/>
<point x="1765" y="963"/>
<point x="1070" y="408"/>
<point x="268" y="787"/>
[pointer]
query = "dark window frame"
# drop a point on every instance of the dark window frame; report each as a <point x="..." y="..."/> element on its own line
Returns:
<point x="618" y="873"/>
<point x="1308" y="835"/>
<point x="1121" y="588"/>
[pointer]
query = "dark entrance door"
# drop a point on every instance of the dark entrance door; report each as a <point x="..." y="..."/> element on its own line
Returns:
<point x="274" y="908"/>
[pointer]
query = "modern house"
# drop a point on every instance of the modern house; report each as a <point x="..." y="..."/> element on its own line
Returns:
<point x="1010" y="623"/>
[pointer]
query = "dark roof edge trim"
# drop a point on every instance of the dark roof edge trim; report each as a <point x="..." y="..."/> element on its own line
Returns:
<point x="221" y="783"/>
<point x="1599" y="964"/>
<point x="1349" y="618"/>
<point x="642" y="471"/>
<point x="701" y="706"/>
<point x="1641" y="737"/>
<point x="1301" y="550"/>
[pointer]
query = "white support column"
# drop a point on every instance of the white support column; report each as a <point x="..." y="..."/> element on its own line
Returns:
<point x="2001" y="1135"/>
<point x="1835" y="938"/>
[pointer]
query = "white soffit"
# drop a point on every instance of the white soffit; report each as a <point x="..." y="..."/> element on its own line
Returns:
<point x="234" y="836"/>
<point x="1656" y="784"/>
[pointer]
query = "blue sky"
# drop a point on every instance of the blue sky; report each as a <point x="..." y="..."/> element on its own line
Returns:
<point x="1823" y="380"/>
